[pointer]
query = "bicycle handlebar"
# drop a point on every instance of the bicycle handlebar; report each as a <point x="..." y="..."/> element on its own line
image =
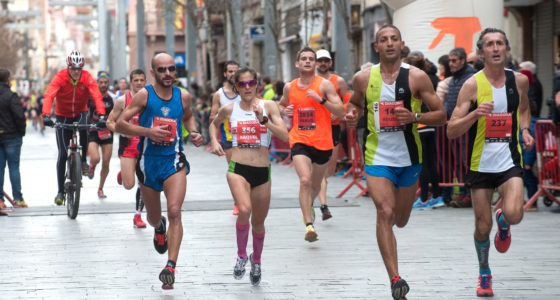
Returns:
<point x="74" y="125"/>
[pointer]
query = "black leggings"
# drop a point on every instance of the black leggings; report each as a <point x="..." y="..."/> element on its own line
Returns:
<point x="63" y="137"/>
<point x="429" y="172"/>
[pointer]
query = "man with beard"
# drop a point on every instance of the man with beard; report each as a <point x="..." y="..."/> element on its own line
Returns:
<point x="310" y="100"/>
<point x="162" y="166"/>
<point x="128" y="145"/>
<point x="393" y="92"/>
<point x="224" y="95"/>
<point x="100" y="137"/>
<point x="324" y="64"/>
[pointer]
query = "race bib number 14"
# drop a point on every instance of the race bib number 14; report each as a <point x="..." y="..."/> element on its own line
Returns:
<point x="385" y="117"/>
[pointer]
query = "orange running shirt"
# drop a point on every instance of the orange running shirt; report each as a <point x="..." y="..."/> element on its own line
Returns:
<point x="311" y="120"/>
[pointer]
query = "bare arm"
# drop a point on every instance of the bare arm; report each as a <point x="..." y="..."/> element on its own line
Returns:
<point x="222" y="114"/>
<point x="188" y="119"/>
<point x="524" y="112"/>
<point x="334" y="104"/>
<point x="356" y="103"/>
<point x="215" y="106"/>
<point x="285" y="108"/>
<point x="115" y="113"/>
<point x="137" y="106"/>
<point x="461" y="120"/>
<point x="275" y="123"/>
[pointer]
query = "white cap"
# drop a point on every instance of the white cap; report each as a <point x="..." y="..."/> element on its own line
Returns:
<point x="323" y="53"/>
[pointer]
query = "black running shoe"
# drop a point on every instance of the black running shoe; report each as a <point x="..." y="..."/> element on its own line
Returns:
<point x="160" y="238"/>
<point x="399" y="288"/>
<point x="255" y="273"/>
<point x="167" y="276"/>
<point x="326" y="212"/>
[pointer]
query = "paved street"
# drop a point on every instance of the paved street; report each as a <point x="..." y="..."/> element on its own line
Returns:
<point x="100" y="255"/>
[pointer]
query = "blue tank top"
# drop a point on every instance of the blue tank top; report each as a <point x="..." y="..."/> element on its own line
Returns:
<point x="162" y="112"/>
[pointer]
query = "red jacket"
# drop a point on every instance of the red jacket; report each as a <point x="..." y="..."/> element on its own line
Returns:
<point x="72" y="99"/>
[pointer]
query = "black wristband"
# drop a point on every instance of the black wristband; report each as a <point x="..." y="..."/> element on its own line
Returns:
<point x="264" y="121"/>
<point x="324" y="100"/>
<point x="526" y="128"/>
<point x="195" y="131"/>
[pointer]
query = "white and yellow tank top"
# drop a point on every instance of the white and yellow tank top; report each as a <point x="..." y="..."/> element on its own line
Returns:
<point x="246" y="130"/>
<point x="387" y="142"/>
<point x="494" y="139"/>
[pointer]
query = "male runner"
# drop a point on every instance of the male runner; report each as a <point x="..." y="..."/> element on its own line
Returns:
<point x="393" y="93"/>
<point x="324" y="64"/>
<point x="100" y="137"/>
<point x="128" y="145"/>
<point x="72" y="87"/>
<point x="493" y="107"/>
<point x="310" y="100"/>
<point x="161" y="165"/>
<point x="224" y="95"/>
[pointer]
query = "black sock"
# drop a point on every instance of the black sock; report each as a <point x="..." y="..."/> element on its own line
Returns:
<point x="170" y="263"/>
<point x="324" y="206"/>
<point x="307" y="224"/>
<point x="161" y="227"/>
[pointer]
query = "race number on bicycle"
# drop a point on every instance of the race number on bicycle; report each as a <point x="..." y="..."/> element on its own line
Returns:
<point x="385" y="117"/>
<point x="498" y="128"/>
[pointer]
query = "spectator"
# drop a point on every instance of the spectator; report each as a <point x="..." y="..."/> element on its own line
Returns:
<point x="427" y="134"/>
<point x="12" y="130"/>
<point x="278" y="89"/>
<point x="445" y="76"/>
<point x="457" y="164"/>
<point x="529" y="156"/>
<point x="475" y="61"/>
<point x="268" y="91"/>
<point x="536" y="89"/>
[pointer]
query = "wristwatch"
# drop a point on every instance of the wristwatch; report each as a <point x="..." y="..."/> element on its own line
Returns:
<point x="264" y="121"/>
<point x="417" y="116"/>
<point x="323" y="100"/>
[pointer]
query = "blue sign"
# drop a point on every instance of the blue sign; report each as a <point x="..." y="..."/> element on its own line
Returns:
<point x="256" y="32"/>
<point x="180" y="59"/>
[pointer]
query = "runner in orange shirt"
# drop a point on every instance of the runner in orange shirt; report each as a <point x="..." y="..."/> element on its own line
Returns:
<point x="310" y="100"/>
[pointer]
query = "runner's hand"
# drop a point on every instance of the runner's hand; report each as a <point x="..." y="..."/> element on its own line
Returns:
<point x="311" y="93"/>
<point x="404" y="116"/>
<point x="158" y="134"/>
<point x="217" y="148"/>
<point x="48" y="121"/>
<point x="196" y="138"/>
<point x="289" y="111"/>
<point x="528" y="140"/>
<point x="102" y="122"/>
<point x="257" y="109"/>
<point x="484" y="109"/>
<point x="352" y="118"/>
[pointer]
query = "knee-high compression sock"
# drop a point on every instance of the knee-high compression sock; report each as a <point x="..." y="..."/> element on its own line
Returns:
<point x="482" y="250"/>
<point x="242" y="233"/>
<point x="139" y="200"/>
<point x="502" y="221"/>
<point x="258" y="242"/>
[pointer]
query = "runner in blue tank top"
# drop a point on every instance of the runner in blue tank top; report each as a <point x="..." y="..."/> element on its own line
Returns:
<point x="161" y="165"/>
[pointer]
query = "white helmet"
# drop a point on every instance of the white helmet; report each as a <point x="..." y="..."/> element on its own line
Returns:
<point x="75" y="59"/>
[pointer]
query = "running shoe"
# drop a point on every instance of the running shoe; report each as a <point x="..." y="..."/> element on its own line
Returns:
<point x="2" y="205"/>
<point x="399" y="288"/>
<point x="85" y="168"/>
<point x="255" y="274"/>
<point x="437" y="202"/>
<point x="119" y="178"/>
<point x="418" y="204"/>
<point x="239" y="269"/>
<point x="311" y="235"/>
<point x="91" y="170"/>
<point x="235" y="210"/>
<point x="100" y="194"/>
<point x="138" y="223"/>
<point x="461" y="202"/>
<point x="502" y="240"/>
<point x="59" y="199"/>
<point x="20" y="204"/>
<point x="160" y="238"/>
<point x="167" y="276"/>
<point x="326" y="212"/>
<point x="484" y="288"/>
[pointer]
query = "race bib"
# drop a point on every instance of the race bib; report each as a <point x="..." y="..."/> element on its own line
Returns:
<point x="104" y="134"/>
<point x="171" y="126"/>
<point x="248" y="134"/>
<point x="385" y="117"/>
<point x="135" y="120"/>
<point x="306" y="118"/>
<point x="498" y="128"/>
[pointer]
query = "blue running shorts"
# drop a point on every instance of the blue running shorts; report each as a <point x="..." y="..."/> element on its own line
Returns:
<point x="152" y="171"/>
<point x="400" y="176"/>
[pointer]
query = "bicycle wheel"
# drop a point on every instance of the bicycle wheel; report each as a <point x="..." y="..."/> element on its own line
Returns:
<point x="73" y="193"/>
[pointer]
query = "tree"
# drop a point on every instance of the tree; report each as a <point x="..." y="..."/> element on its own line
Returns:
<point x="11" y="45"/>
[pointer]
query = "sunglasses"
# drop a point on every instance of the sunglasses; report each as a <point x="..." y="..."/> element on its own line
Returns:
<point x="242" y="84"/>
<point x="75" y="69"/>
<point x="169" y="68"/>
<point x="323" y="60"/>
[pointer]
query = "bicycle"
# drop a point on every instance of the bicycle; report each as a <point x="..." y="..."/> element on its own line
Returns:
<point x="73" y="183"/>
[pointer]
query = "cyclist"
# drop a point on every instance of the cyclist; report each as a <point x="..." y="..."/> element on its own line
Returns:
<point x="162" y="165"/>
<point x="100" y="137"/>
<point x="72" y="87"/>
<point x="128" y="145"/>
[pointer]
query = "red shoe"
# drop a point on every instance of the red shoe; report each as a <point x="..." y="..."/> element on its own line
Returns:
<point x="235" y="210"/>
<point x="137" y="221"/>
<point x="2" y="205"/>
<point x="484" y="288"/>
<point x="502" y="240"/>
<point x="119" y="178"/>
